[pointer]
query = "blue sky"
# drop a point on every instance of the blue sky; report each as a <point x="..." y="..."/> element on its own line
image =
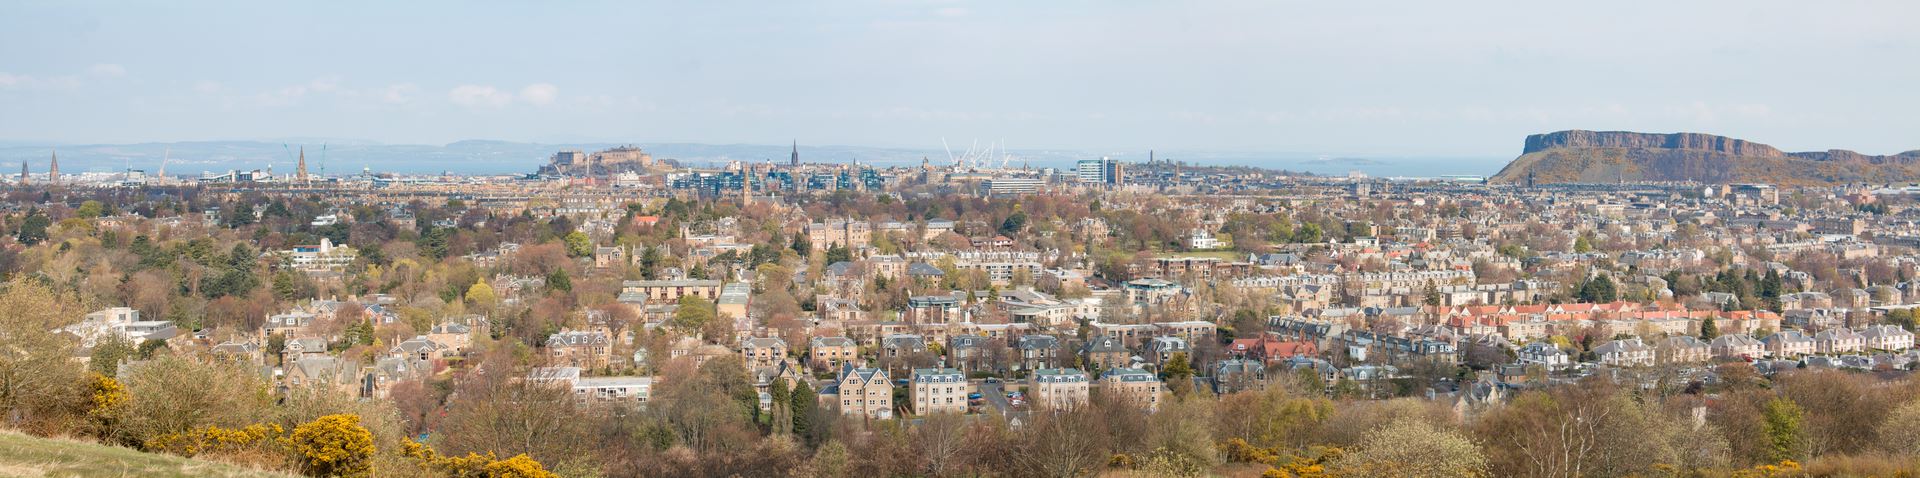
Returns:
<point x="1385" y="78"/>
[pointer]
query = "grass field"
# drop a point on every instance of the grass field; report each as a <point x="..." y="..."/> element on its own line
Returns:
<point x="24" y="455"/>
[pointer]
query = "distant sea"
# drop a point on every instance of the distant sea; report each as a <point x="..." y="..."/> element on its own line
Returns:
<point x="502" y="157"/>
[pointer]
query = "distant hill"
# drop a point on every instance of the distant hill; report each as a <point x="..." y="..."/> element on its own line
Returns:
<point x="26" y="455"/>
<point x="1579" y="156"/>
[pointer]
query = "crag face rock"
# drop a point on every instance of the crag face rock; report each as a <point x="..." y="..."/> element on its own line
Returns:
<point x="1579" y="156"/>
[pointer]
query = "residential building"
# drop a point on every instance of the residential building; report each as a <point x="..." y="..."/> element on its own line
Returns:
<point x="832" y="351"/>
<point x="1133" y="386"/>
<point x="763" y="351"/>
<point x="861" y="391"/>
<point x="937" y="390"/>
<point x="1057" y="388"/>
<point x="1630" y="352"/>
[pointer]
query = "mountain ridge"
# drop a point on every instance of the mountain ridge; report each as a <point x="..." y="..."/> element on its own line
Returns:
<point x="1608" y="156"/>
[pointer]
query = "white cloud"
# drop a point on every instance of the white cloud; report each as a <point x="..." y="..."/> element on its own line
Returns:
<point x="479" y="96"/>
<point x="29" y="82"/>
<point x="540" y="94"/>
<point x="325" y="84"/>
<point x="399" y="93"/>
<point x="108" y="70"/>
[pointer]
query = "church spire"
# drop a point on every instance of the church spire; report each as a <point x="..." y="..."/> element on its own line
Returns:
<point x="53" y="170"/>
<point x="796" y="154"/>
<point x="300" y="173"/>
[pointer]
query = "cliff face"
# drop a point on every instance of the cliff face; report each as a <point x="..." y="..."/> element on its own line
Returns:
<point x="1624" y="139"/>
<point x="1608" y="156"/>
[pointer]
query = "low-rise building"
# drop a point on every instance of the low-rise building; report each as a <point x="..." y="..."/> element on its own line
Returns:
<point x="937" y="390"/>
<point x="1058" y="388"/>
<point x="861" y="391"/>
<point x="1133" y="386"/>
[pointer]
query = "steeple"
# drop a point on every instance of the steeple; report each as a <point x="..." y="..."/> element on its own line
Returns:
<point x="746" y="186"/>
<point x="300" y="173"/>
<point x="53" y="171"/>
<point x="796" y="154"/>
<point x="23" y="173"/>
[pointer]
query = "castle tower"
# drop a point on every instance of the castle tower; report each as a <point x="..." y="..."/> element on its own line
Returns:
<point x="300" y="172"/>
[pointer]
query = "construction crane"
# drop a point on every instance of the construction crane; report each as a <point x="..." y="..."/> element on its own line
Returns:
<point x="164" y="157"/>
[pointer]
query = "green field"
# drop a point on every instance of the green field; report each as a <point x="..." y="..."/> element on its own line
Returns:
<point x="25" y="455"/>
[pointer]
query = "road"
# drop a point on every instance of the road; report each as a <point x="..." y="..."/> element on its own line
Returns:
<point x="995" y="394"/>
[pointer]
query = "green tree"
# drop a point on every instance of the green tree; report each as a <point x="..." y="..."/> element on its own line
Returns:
<point x="559" y="281"/>
<point x="1014" y="223"/>
<point x="1308" y="233"/>
<point x="1708" y="331"/>
<point x="780" y="420"/>
<point x="1901" y="317"/>
<point x="801" y="245"/>
<point x="433" y="242"/>
<point x="90" y="209"/>
<point x="1599" y="289"/>
<point x="805" y="405"/>
<point x="1782" y="420"/>
<point x="1179" y="375"/>
<point x="33" y="229"/>
<point x="838" y="253"/>
<point x="481" y="294"/>
<point x="283" y="285"/>
<point x="579" y="245"/>
<point x="693" y="313"/>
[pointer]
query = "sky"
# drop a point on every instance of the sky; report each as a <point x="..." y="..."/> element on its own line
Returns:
<point x="1410" y="79"/>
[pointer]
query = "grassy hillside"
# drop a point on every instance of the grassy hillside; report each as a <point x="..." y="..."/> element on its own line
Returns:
<point x="25" y="455"/>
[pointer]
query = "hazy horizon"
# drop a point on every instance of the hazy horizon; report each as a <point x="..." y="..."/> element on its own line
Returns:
<point x="1421" y="80"/>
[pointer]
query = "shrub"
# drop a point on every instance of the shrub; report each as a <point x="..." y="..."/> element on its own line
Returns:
<point x="333" y="445"/>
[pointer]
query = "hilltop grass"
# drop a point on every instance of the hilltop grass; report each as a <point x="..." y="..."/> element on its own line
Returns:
<point x="25" y="455"/>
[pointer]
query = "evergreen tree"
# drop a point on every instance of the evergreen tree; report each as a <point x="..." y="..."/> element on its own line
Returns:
<point x="805" y="406"/>
<point x="559" y="281"/>
<point x="781" y="415"/>
<point x="838" y="253"/>
<point x="33" y="229"/>
<point x="1599" y="289"/>
<point x="800" y="246"/>
<point x="1708" y="331"/>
